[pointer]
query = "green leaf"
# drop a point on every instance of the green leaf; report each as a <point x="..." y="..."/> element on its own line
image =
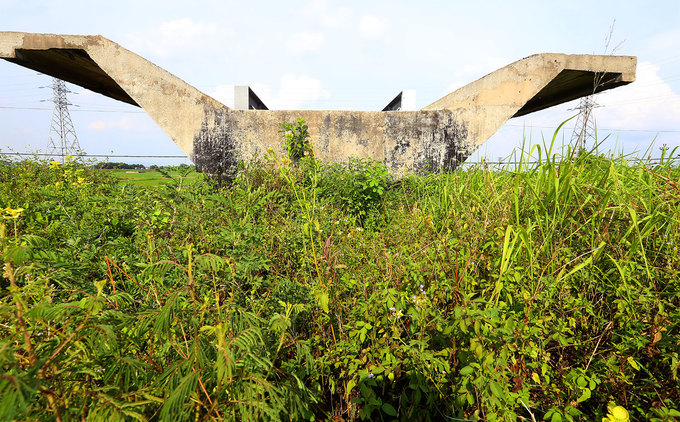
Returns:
<point x="584" y="396"/>
<point x="467" y="370"/>
<point x="496" y="389"/>
<point x="389" y="409"/>
<point x="350" y="385"/>
<point x="323" y="302"/>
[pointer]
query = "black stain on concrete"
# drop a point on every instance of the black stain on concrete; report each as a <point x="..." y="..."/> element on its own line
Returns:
<point x="352" y="127"/>
<point x="402" y="145"/>
<point x="455" y="135"/>
<point x="421" y="141"/>
<point x="434" y="139"/>
<point x="215" y="146"/>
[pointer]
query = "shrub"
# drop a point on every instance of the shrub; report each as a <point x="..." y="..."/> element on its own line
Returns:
<point x="358" y="187"/>
<point x="544" y="292"/>
<point x="296" y="136"/>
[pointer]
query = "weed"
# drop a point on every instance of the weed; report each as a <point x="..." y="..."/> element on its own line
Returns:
<point x="358" y="187"/>
<point x="542" y="291"/>
<point x="296" y="136"/>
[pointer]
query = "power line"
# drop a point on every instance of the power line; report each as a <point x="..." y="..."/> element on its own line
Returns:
<point x="35" y="154"/>
<point x="599" y="129"/>
<point x="631" y="159"/>
<point x="85" y="110"/>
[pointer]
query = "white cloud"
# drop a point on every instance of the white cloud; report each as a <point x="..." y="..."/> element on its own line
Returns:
<point x="99" y="125"/>
<point x="663" y="43"/>
<point x="305" y="42"/>
<point x="124" y="123"/>
<point x="173" y="36"/>
<point x="340" y="18"/>
<point x="482" y="67"/>
<point x="294" y="93"/>
<point x="469" y="73"/>
<point x="224" y="94"/>
<point x="314" y="8"/>
<point x="649" y="103"/>
<point x="373" y="28"/>
<point x="87" y="94"/>
<point x="321" y="11"/>
<point x="454" y="86"/>
<point x="264" y="93"/>
<point x="298" y="90"/>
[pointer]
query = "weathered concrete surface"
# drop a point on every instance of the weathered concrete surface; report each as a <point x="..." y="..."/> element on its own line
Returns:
<point x="532" y="84"/>
<point x="216" y="137"/>
<point x="415" y="140"/>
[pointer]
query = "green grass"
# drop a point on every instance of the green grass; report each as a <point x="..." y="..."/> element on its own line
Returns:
<point x="540" y="292"/>
<point x="147" y="177"/>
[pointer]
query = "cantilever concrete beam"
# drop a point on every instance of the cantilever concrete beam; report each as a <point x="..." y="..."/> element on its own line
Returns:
<point x="215" y="137"/>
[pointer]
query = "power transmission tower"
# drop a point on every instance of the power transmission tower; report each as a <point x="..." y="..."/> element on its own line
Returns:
<point x="63" y="140"/>
<point x="584" y="128"/>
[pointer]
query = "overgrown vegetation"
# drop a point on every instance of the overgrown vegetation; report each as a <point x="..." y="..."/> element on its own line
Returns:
<point x="296" y="140"/>
<point x="314" y="292"/>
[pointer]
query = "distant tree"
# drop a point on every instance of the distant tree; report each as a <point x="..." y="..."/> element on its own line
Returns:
<point x="124" y="166"/>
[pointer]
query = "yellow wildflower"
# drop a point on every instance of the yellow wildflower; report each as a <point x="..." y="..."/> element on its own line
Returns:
<point x="616" y="414"/>
<point x="12" y="213"/>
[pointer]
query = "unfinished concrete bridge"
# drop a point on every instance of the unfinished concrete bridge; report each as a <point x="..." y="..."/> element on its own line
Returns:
<point x="215" y="137"/>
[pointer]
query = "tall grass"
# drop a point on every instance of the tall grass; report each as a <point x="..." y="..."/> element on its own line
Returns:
<point x="545" y="291"/>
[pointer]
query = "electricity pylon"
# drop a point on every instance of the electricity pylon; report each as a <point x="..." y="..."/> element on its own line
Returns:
<point x="63" y="140"/>
<point x="584" y="128"/>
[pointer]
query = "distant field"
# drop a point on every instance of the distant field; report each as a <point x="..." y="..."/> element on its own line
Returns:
<point x="147" y="177"/>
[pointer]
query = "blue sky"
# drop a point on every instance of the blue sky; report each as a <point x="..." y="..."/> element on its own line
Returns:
<point x="323" y="54"/>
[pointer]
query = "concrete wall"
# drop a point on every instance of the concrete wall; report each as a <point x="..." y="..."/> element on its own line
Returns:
<point x="404" y="141"/>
